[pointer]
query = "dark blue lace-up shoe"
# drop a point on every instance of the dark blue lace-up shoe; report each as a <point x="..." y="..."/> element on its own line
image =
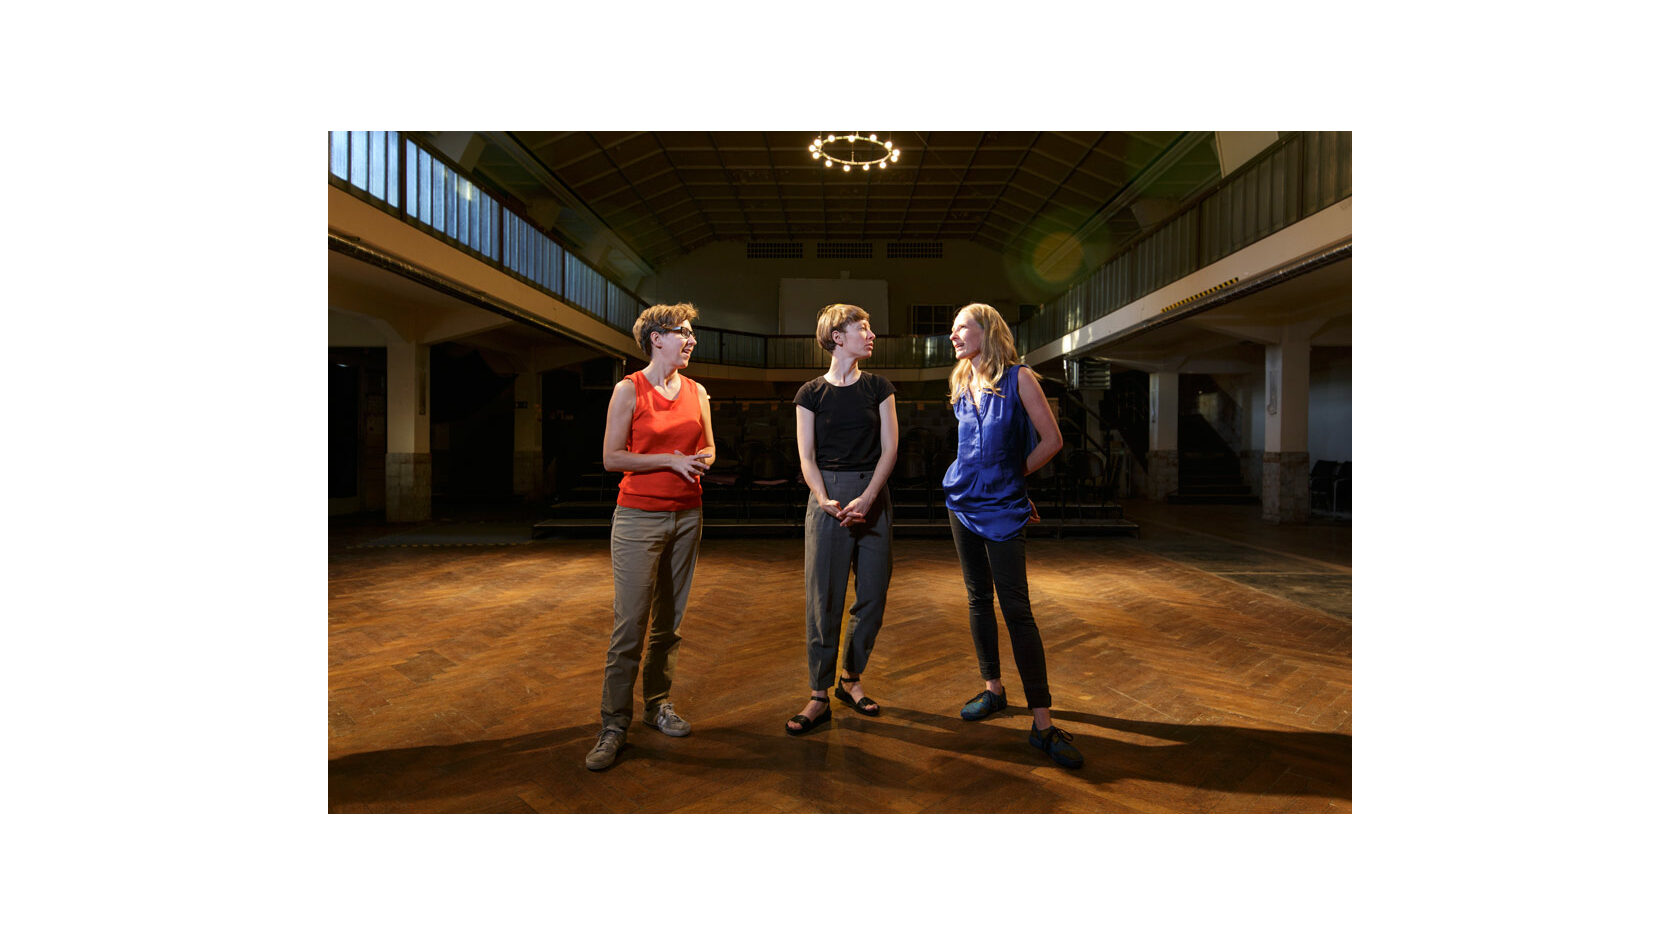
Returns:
<point x="1057" y="744"/>
<point x="984" y="704"/>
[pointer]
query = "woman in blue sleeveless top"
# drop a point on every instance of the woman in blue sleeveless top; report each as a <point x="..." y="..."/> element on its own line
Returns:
<point x="1004" y="433"/>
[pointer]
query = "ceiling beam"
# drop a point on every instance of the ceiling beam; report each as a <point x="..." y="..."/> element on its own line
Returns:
<point x="1165" y="161"/>
<point x="525" y="159"/>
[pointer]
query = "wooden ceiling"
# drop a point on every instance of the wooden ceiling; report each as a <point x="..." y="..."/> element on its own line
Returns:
<point x="658" y="195"/>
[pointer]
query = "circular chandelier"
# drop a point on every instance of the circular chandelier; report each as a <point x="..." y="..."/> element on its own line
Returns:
<point x="853" y="150"/>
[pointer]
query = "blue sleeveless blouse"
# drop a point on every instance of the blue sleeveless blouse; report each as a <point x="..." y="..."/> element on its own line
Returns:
<point x="984" y="485"/>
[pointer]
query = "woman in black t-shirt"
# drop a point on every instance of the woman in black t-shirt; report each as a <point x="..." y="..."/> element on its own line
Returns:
<point x="848" y="441"/>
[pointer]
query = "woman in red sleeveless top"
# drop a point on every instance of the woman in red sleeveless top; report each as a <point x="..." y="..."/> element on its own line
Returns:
<point x="659" y="435"/>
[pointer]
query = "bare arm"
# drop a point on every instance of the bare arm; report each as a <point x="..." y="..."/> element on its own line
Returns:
<point x="615" y="455"/>
<point x="708" y="445"/>
<point x="1038" y="410"/>
<point x="805" y="432"/>
<point x="858" y="508"/>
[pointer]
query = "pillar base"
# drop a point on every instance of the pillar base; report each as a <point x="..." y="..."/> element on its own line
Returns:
<point x="528" y="474"/>
<point x="1163" y="473"/>
<point x="1284" y="497"/>
<point x="408" y="487"/>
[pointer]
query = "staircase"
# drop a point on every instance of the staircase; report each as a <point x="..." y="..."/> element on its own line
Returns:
<point x="1209" y="472"/>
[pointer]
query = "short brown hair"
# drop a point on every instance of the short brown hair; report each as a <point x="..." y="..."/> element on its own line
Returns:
<point x="657" y="317"/>
<point x="835" y="318"/>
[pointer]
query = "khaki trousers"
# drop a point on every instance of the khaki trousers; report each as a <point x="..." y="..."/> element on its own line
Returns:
<point x="653" y="556"/>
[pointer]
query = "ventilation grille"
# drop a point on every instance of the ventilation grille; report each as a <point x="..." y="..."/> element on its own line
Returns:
<point x="836" y="250"/>
<point x="791" y="250"/>
<point x="923" y="249"/>
<point x="1086" y="373"/>
<point x="1200" y="295"/>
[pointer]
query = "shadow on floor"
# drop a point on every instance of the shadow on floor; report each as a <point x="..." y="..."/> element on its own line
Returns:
<point x="1215" y="758"/>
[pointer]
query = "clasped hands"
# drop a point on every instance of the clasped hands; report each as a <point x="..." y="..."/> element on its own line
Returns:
<point x="689" y="467"/>
<point x="852" y="513"/>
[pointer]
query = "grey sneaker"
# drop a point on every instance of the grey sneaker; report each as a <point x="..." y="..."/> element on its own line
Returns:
<point x="668" y="721"/>
<point x="607" y="747"/>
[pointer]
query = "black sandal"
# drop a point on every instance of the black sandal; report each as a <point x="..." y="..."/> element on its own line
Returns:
<point x="806" y="725"/>
<point x="866" y="705"/>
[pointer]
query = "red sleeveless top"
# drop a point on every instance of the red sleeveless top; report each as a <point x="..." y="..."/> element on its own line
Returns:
<point x="659" y="426"/>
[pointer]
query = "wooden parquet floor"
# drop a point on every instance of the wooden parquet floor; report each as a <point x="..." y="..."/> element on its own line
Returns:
<point x="468" y="680"/>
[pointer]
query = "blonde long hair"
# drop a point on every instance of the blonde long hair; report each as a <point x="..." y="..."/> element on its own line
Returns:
<point x="997" y="352"/>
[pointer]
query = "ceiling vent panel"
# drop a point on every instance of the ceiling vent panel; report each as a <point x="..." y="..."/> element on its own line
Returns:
<point x="918" y="249"/>
<point x="767" y="250"/>
<point x="833" y="249"/>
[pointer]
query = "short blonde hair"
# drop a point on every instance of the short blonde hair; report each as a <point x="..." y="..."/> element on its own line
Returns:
<point x="997" y="351"/>
<point x="660" y="317"/>
<point x="835" y="318"/>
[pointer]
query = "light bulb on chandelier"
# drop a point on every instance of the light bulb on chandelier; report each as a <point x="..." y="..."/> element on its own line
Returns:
<point x="853" y="150"/>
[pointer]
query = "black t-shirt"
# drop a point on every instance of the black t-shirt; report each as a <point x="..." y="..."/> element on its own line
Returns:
<point x="847" y="425"/>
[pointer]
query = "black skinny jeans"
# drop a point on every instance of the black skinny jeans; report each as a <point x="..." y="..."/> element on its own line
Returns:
<point x="1001" y="564"/>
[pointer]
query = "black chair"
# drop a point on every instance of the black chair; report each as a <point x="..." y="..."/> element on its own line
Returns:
<point x="770" y="479"/>
<point x="1330" y="486"/>
<point x="725" y="480"/>
<point x="1321" y="484"/>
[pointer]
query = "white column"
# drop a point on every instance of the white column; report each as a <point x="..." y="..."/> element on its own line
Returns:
<point x="408" y="433"/>
<point x="1163" y="434"/>
<point x="527" y="435"/>
<point x="1283" y="486"/>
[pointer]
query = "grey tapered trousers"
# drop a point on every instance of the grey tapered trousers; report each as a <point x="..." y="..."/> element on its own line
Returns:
<point x="833" y="553"/>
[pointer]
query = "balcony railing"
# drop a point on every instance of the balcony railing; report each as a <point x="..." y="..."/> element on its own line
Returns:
<point x="1301" y="174"/>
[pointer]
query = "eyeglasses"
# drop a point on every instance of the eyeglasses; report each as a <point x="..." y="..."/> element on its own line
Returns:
<point x="685" y="332"/>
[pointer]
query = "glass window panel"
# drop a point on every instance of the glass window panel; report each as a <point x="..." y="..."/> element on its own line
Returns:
<point x="451" y="205"/>
<point x="376" y="164"/>
<point x="463" y="210"/>
<point x="419" y="185"/>
<point x="469" y="215"/>
<point x="338" y="142"/>
<point x="486" y="220"/>
<point x="472" y="234"/>
<point x="359" y="159"/>
<point x="393" y="169"/>
<point x="440" y="192"/>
